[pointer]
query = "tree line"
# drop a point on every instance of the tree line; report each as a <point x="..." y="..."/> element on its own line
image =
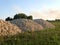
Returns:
<point x="19" y="16"/>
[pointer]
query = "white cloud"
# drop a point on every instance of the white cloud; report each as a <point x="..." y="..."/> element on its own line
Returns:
<point x="50" y="14"/>
<point x="46" y="12"/>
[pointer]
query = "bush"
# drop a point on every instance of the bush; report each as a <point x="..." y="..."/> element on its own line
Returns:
<point x="21" y="15"/>
<point x="57" y="19"/>
<point x="29" y="17"/>
<point x="8" y="19"/>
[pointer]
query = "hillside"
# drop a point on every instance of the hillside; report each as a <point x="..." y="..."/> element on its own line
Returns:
<point x="43" y="37"/>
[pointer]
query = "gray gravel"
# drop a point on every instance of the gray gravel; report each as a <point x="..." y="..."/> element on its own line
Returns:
<point x="44" y="23"/>
<point x="27" y="25"/>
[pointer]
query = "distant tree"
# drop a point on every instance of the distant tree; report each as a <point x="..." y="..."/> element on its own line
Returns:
<point x="8" y="19"/>
<point x="57" y="19"/>
<point x="20" y="15"/>
<point x="29" y="17"/>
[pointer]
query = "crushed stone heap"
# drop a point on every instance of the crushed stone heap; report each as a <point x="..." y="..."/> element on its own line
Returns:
<point x="27" y="25"/>
<point x="44" y="23"/>
<point x="7" y="29"/>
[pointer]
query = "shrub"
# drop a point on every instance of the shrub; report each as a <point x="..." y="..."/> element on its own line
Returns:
<point x="21" y="15"/>
<point x="8" y="19"/>
<point x="30" y="17"/>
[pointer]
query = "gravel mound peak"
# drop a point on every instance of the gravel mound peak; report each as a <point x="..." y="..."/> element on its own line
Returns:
<point x="7" y="29"/>
<point x="27" y="25"/>
<point x="44" y="23"/>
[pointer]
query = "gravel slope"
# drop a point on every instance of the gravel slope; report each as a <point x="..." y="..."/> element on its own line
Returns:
<point x="44" y="23"/>
<point x="27" y="25"/>
<point x="7" y="29"/>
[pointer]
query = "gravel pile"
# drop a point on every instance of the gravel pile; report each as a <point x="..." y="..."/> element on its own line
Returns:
<point x="7" y="29"/>
<point x="27" y="25"/>
<point x="18" y="25"/>
<point x="44" y="23"/>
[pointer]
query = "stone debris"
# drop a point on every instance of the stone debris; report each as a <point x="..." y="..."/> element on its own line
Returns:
<point x="7" y="29"/>
<point x="27" y="25"/>
<point x="44" y="23"/>
<point x="16" y="26"/>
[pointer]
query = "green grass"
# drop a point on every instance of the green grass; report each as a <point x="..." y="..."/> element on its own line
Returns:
<point x="43" y="37"/>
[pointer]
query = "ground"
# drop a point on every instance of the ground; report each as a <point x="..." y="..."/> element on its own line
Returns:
<point x="43" y="37"/>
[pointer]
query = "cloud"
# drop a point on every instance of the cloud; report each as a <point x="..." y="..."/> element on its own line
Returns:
<point x="46" y="12"/>
<point x="50" y="14"/>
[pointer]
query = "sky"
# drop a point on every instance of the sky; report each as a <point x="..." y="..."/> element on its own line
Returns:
<point x="39" y="9"/>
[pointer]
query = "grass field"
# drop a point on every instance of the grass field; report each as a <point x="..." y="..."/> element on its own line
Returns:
<point x="43" y="37"/>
